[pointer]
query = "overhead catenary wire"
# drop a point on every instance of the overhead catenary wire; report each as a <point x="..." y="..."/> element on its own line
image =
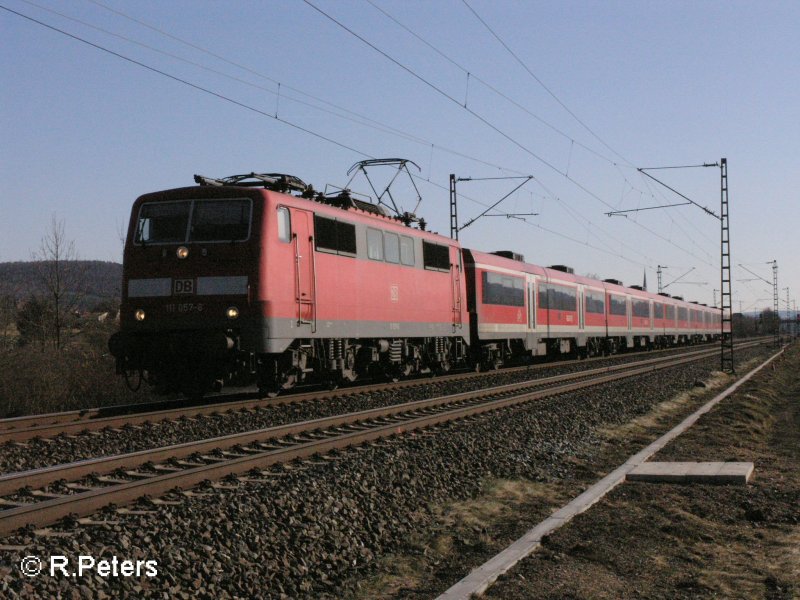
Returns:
<point x="185" y="82"/>
<point x="253" y="109"/>
<point x="471" y="75"/>
<point x="355" y="117"/>
<point x="478" y="116"/>
<point x="541" y="83"/>
<point x="284" y="121"/>
<point x="379" y="126"/>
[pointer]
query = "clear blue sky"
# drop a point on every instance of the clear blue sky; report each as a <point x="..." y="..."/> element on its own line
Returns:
<point x="83" y="132"/>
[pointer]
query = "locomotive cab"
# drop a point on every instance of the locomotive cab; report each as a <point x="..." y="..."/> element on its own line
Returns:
<point x="188" y="273"/>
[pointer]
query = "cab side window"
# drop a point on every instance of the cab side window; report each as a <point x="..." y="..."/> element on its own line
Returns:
<point x="284" y="224"/>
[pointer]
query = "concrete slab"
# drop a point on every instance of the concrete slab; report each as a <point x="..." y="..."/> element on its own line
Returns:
<point x="661" y="472"/>
<point x="737" y="473"/>
<point x="483" y="576"/>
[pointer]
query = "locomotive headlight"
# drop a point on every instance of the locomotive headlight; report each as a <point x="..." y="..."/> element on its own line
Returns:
<point x="139" y="314"/>
<point x="232" y="312"/>
<point x="182" y="252"/>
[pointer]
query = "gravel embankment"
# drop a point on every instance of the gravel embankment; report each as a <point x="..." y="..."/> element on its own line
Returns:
<point x="667" y="541"/>
<point x="38" y="453"/>
<point x="314" y="530"/>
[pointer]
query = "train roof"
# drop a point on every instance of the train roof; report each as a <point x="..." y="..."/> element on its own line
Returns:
<point x="556" y="274"/>
<point x="356" y="211"/>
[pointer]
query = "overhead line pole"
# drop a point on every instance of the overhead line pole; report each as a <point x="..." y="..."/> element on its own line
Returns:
<point x="726" y="295"/>
<point x="775" y="307"/>
<point x="454" y="228"/>
<point x="726" y="300"/>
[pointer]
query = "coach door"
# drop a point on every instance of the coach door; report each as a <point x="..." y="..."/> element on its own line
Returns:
<point x="532" y="303"/>
<point x="455" y="285"/>
<point x="304" y="273"/>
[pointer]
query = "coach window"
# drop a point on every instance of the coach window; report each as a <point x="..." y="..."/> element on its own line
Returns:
<point x="616" y="305"/>
<point x="670" y="312"/>
<point x="557" y="297"/>
<point x="391" y="247"/>
<point x="594" y="303"/>
<point x="658" y="310"/>
<point x="374" y="244"/>
<point x="284" y="224"/>
<point x="641" y="308"/>
<point x="406" y="250"/>
<point x="435" y="256"/>
<point x="334" y="236"/>
<point x="503" y="290"/>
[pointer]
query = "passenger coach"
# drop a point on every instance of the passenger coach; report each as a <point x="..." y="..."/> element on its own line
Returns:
<point x="519" y="310"/>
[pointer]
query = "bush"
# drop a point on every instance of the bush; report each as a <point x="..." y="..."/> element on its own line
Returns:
<point x="40" y="379"/>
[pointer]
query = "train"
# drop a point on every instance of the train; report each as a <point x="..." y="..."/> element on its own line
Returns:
<point x="258" y="279"/>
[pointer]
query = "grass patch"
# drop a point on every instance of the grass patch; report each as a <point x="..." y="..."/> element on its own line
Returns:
<point x="466" y="526"/>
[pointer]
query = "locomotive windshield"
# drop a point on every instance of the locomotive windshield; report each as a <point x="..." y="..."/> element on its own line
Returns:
<point x="186" y="221"/>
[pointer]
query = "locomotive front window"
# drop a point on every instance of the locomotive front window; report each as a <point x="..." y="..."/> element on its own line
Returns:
<point x="211" y="221"/>
<point x="163" y="223"/>
<point x="220" y="221"/>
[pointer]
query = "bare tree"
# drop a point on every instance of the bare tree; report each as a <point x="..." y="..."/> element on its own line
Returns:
<point x="8" y="315"/>
<point x="61" y="277"/>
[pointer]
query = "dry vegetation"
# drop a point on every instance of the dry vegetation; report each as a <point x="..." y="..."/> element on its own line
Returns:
<point x="642" y="540"/>
<point x="692" y="541"/>
<point x="40" y="378"/>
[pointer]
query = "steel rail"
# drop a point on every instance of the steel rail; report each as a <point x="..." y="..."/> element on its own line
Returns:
<point x="20" y="429"/>
<point x="11" y="482"/>
<point x="223" y="402"/>
<point x="87" y="502"/>
<point x="120" y="411"/>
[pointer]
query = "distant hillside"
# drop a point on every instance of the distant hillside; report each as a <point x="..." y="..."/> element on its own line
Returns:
<point x="101" y="281"/>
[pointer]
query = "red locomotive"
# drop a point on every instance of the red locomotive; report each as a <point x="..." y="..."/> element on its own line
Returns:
<point x="259" y="279"/>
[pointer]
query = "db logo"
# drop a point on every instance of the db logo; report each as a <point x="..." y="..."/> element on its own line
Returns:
<point x="182" y="287"/>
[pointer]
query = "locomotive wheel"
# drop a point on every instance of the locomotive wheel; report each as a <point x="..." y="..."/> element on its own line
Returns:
<point x="194" y="389"/>
<point x="129" y="374"/>
<point x="443" y="367"/>
<point x="271" y="389"/>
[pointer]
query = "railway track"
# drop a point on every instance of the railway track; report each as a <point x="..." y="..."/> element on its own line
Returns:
<point x="20" y="429"/>
<point x="44" y="496"/>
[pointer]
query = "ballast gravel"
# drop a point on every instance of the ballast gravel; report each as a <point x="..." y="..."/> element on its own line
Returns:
<point x="38" y="453"/>
<point x="313" y="529"/>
